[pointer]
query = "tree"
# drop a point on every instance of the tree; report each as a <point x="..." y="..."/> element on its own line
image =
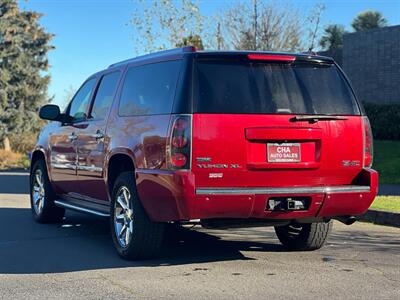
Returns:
<point x="191" y="40"/>
<point x="333" y="37"/>
<point x="261" y="26"/>
<point x="69" y="93"/>
<point x="243" y="25"/>
<point x="23" y="59"/>
<point x="164" y="24"/>
<point x="368" y="20"/>
<point x="314" y="20"/>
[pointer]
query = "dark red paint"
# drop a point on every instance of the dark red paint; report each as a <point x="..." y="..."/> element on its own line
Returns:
<point x="233" y="140"/>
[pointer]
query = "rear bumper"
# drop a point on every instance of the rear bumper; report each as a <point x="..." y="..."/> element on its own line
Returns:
<point x="284" y="190"/>
<point x="173" y="196"/>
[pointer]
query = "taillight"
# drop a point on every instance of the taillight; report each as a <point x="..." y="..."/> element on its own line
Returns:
<point x="178" y="160"/>
<point x="178" y="148"/>
<point x="368" y="143"/>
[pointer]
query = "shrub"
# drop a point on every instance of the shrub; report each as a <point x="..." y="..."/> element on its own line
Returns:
<point x="23" y="143"/>
<point x="9" y="159"/>
<point x="13" y="160"/>
<point x="385" y="120"/>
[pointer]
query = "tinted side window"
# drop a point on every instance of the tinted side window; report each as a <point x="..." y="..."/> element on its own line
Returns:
<point x="104" y="96"/>
<point x="149" y="89"/>
<point x="79" y="104"/>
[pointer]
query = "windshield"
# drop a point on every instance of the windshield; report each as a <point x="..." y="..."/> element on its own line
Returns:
<point x="254" y="87"/>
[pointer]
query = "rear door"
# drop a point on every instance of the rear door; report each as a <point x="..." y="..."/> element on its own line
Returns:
<point x="262" y="122"/>
<point x="93" y="140"/>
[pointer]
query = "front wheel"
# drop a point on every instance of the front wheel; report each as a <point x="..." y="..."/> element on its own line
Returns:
<point x="42" y="196"/>
<point x="303" y="237"/>
<point x="135" y="236"/>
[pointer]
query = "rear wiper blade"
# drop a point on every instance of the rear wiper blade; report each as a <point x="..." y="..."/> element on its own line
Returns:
<point x="316" y="118"/>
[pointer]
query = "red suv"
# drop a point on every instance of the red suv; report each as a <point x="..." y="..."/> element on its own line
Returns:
<point x="220" y="138"/>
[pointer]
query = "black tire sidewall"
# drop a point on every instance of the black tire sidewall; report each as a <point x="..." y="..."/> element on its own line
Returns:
<point x="138" y="247"/>
<point x="312" y="236"/>
<point x="50" y="212"/>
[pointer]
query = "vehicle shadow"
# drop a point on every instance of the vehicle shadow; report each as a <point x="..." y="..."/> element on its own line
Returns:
<point x="83" y="242"/>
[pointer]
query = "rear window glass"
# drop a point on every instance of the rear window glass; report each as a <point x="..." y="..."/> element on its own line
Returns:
<point x="268" y="88"/>
<point x="149" y="89"/>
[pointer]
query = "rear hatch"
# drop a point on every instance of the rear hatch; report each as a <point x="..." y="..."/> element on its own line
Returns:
<point x="273" y="121"/>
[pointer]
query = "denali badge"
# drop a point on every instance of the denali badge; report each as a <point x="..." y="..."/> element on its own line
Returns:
<point x="203" y="159"/>
<point x="350" y="163"/>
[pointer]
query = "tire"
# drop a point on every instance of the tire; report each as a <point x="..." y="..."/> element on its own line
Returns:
<point x="303" y="237"/>
<point x="141" y="238"/>
<point x="42" y="196"/>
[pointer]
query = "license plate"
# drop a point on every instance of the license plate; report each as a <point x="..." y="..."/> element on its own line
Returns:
<point x="285" y="152"/>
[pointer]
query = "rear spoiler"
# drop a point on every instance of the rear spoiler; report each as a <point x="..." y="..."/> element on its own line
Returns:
<point x="267" y="56"/>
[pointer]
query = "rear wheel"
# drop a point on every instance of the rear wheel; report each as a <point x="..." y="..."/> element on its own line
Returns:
<point x="42" y="196"/>
<point x="135" y="236"/>
<point x="303" y="237"/>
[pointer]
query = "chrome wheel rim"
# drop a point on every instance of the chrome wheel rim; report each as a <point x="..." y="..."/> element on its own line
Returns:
<point x="38" y="192"/>
<point x="123" y="217"/>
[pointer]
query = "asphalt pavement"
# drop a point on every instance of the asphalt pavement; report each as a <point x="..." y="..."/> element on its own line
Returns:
<point x="76" y="260"/>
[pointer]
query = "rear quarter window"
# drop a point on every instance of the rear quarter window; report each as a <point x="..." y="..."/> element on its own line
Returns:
<point x="149" y="89"/>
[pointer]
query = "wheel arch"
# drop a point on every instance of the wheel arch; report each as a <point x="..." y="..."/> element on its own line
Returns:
<point x="38" y="154"/>
<point x="117" y="163"/>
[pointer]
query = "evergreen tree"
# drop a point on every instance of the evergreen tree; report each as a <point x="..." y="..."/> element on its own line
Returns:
<point x="368" y="20"/>
<point x="191" y="40"/>
<point x="23" y="60"/>
<point x="333" y="37"/>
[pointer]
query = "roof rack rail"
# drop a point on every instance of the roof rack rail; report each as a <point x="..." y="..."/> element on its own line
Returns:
<point x="185" y="49"/>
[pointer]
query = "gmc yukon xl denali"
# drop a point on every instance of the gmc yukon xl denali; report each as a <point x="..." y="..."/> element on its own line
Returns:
<point x="224" y="139"/>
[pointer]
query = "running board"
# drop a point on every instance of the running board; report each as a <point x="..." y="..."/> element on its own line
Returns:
<point x="63" y="204"/>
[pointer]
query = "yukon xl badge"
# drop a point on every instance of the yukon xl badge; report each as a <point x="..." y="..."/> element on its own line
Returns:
<point x="214" y="166"/>
<point x="218" y="166"/>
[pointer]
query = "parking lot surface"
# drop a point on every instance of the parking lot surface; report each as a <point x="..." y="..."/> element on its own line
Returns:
<point x="76" y="260"/>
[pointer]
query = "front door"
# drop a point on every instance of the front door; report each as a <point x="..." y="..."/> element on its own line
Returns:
<point x="63" y="142"/>
<point x="63" y="158"/>
<point x="93" y="141"/>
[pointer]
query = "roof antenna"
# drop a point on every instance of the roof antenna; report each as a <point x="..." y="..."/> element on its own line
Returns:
<point x="311" y="52"/>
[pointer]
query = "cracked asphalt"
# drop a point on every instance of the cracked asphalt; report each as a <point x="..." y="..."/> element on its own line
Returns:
<point x="76" y="260"/>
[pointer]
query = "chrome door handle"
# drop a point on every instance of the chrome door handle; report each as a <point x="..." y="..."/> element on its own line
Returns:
<point x="98" y="135"/>
<point x="72" y="137"/>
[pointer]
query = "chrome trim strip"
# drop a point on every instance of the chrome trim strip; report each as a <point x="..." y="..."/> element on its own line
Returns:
<point x="63" y="166"/>
<point x="285" y="190"/>
<point x="81" y="209"/>
<point x="90" y="168"/>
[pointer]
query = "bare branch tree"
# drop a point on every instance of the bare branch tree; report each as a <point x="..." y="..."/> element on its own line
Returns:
<point x="250" y="25"/>
<point x="314" y="20"/>
<point x="68" y="94"/>
<point x="262" y="26"/>
<point x="163" y="24"/>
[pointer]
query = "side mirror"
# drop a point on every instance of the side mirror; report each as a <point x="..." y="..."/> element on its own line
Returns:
<point x="50" y="112"/>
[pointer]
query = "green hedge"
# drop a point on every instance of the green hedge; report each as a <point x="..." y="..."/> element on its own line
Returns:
<point x="385" y="120"/>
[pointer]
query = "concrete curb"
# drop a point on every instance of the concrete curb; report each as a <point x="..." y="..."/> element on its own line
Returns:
<point x="381" y="217"/>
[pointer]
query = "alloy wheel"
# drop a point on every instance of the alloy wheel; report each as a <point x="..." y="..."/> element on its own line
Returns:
<point x="38" y="191"/>
<point x="123" y="217"/>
